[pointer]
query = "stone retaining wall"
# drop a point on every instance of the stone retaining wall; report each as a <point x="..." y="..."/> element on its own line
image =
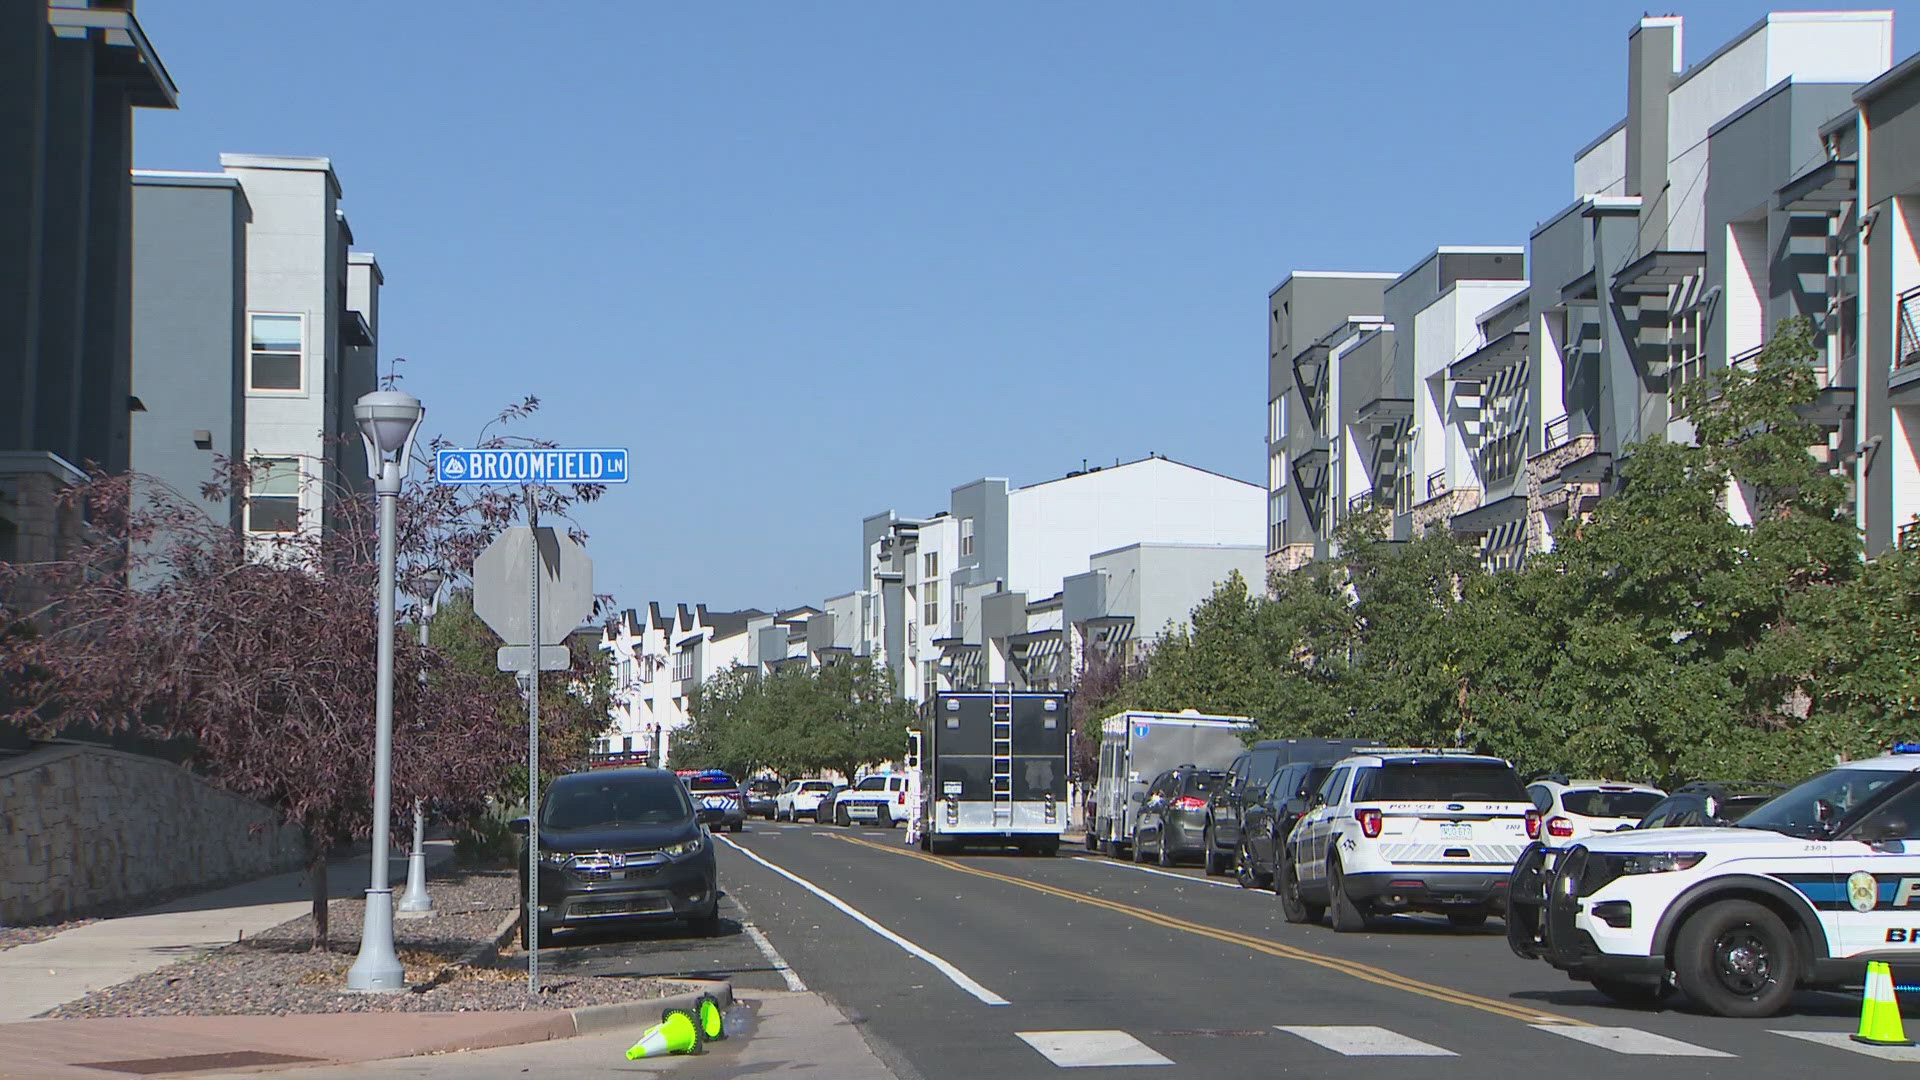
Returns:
<point x="83" y="827"/>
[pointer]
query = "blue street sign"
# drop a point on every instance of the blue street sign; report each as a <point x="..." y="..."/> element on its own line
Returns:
<point x="531" y="465"/>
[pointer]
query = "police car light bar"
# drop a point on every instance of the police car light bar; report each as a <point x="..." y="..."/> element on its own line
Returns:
<point x="1906" y="748"/>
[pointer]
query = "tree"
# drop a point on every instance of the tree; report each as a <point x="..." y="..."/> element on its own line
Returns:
<point x="795" y="720"/>
<point x="258" y="651"/>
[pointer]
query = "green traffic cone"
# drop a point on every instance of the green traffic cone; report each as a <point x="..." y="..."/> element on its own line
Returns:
<point x="713" y="1023"/>
<point x="673" y="1035"/>
<point x="1880" y="1011"/>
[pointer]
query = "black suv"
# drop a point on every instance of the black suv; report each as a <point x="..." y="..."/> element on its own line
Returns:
<point x="1247" y="780"/>
<point x="1708" y="803"/>
<point x="619" y="845"/>
<point x="1267" y="820"/>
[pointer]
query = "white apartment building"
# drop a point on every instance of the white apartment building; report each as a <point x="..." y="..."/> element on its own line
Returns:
<point x="658" y="660"/>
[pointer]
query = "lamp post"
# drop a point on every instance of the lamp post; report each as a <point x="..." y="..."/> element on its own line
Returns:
<point x="424" y="584"/>
<point x="388" y="420"/>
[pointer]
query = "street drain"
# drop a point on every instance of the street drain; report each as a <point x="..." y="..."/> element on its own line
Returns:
<point x="232" y="1059"/>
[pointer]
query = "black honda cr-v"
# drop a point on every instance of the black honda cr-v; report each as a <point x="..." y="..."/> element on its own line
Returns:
<point x="621" y="845"/>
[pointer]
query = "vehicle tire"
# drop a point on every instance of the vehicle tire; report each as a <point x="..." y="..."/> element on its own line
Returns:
<point x="1092" y="840"/>
<point x="1468" y="920"/>
<point x="1292" y="905"/>
<point x="546" y="935"/>
<point x="1736" y="958"/>
<point x="1214" y="869"/>
<point x="1161" y="856"/>
<point x="707" y="925"/>
<point x="1244" y="870"/>
<point x="883" y="818"/>
<point x="1048" y="848"/>
<point x="842" y="818"/>
<point x="1633" y="994"/>
<point x="737" y="826"/>
<point x="1348" y="917"/>
<point x="1136" y="850"/>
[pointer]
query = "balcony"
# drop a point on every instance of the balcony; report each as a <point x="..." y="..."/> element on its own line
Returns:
<point x="1436" y="483"/>
<point x="1490" y="359"/>
<point x="1559" y="430"/>
<point x="1908" y="534"/>
<point x="1909" y="350"/>
<point x="1310" y="375"/>
<point x="1825" y="189"/>
<point x="1361" y="503"/>
<point x="1657" y="272"/>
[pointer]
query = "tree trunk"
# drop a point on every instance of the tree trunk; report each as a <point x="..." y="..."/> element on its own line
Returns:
<point x="317" y="881"/>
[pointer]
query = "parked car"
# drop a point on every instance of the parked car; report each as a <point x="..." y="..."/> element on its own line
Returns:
<point x="880" y="799"/>
<point x="1268" y="820"/>
<point x="718" y="796"/>
<point x="620" y="845"/>
<point x="802" y="798"/>
<point x="1709" y="803"/>
<point x="762" y="795"/>
<point x="1172" y="818"/>
<point x="1247" y="778"/>
<point x="1576" y="809"/>
<point x="1408" y="830"/>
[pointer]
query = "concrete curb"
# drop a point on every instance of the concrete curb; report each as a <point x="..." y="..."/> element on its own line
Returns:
<point x="598" y="1018"/>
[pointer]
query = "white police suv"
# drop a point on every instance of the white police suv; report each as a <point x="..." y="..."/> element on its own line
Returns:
<point x="1407" y="830"/>
<point x="1802" y="892"/>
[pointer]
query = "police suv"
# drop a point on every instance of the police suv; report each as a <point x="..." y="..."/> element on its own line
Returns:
<point x="1802" y="892"/>
<point x="1407" y="830"/>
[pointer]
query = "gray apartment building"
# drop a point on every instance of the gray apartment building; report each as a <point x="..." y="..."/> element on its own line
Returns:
<point x="71" y="74"/>
<point x="1724" y="201"/>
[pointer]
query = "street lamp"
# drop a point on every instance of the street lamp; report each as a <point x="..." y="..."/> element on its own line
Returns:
<point x="388" y="420"/>
<point x="425" y="585"/>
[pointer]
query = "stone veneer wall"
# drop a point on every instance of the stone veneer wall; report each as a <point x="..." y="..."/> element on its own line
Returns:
<point x="84" y="827"/>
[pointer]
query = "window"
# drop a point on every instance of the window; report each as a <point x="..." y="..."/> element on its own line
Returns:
<point x="930" y="596"/>
<point x="275" y="360"/>
<point x="1330" y="791"/>
<point x="683" y="664"/>
<point x="929" y="684"/>
<point x="1442" y="781"/>
<point x="966" y="537"/>
<point x="1277" y="419"/>
<point x="931" y="564"/>
<point x="959" y="615"/>
<point x="273" y="496"/>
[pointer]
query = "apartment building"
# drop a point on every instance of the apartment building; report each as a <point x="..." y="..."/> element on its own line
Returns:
<point x="1514" y="381"/>
<point x="975" y="594"/>
<point x="71" y="75"/>
<point x="659" y="658"/>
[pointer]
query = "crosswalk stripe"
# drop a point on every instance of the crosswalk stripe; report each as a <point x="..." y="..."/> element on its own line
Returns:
<point x="1089" y="1049"/>
<point x="1845" y="1042"/>
<point x="1626" y="1040"/>
<point x="1361" y="1040"/>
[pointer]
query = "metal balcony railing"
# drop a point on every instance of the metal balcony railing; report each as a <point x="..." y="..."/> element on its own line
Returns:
<point x="1908" y="535"/>
<point x="1559" y="431"/>
<point x="1436" y="483"/>
<point x="1361" y="503"/>
<point x="1909" y="352"/>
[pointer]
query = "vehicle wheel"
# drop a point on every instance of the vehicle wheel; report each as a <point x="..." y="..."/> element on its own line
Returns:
<point x="1468" y="919"/>
<point x="546" y="935"/>
<point x="1736" y="958"/>
<point x="707" y="925"/>
<point x="736" y="826"/>
<point x="1047" y="848"/>
<point x="1093" y="841"/>
<point x="1348" y="918"/>
<point x="926" y="841"/>
<point x="1211" y="857"/>
<point x="1633" y="994"/>
<point x="1244" y="870"/>
<point x="1137" y="850"/>
<point x="842" y="818"/>
<point x="1294" y="906"/>
<point x="1161" y="856"/>
<point x="883" y="818"/>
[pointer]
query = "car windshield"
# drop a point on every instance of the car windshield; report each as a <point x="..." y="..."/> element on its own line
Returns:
<point x="873" y="783"/>
<point x="1611" y="804"/>
<point x="816" y="785"/>
<point x="713" y="783"/>
<point x="764" y="786"/>
<point x="585" y="804"/>
<point x="1202" y="783"/>
<point x="1441" y="781"/>
<point x="1815" y="807"/>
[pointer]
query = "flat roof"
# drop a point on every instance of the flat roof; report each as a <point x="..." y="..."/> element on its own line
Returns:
<point x="283" y="161"/>
<point x="1350" y="275"/>
<point x="1888" y="79"/>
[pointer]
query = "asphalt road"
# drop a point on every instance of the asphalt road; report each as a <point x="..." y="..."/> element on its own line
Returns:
<point x="988" y="965"/>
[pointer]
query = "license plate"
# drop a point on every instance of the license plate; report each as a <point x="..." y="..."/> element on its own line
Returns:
<point x="1456" y="831"/>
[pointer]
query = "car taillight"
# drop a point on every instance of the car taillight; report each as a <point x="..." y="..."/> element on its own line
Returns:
<point x="1370" y="822"/>
<point x="902" y="797"/>
<point x="1188" y="802"/>
<point x="1533" y="824"/>
<point x="1560" y="827"/>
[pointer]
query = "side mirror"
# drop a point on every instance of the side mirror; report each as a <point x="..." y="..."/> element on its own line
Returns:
<point x="1317" y="801"/>
<point x="1628" y="827"/>
<point x="519" y="826"/>
<point x="1139" y="797"/>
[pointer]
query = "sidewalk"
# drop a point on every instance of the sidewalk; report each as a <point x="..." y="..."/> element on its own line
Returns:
<point x="37" y="977"/>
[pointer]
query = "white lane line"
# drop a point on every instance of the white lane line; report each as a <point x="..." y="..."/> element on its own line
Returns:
<point x="791" y="977"/>
<point x="1091" y="1049"/>
<point x="1361" y="1040"/>
<point x="1162" y="873"/>
<point x="1840" y="1041"/>
<point x="1627" y="1040"/>
<point x="958" y="977"/>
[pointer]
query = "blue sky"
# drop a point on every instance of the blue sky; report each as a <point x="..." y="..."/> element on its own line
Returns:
<point x="815" y="261"/>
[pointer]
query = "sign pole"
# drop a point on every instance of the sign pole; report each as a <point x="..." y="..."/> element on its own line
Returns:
<point x="533" y="756"/>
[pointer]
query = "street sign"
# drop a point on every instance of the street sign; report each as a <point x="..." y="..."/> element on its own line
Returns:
<point x="501" y="580"/>
<point x="514" y="658"/>
<point x="532" y="465"/>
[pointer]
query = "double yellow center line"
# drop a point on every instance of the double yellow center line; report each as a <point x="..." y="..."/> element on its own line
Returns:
<point x="1354" y="969"/>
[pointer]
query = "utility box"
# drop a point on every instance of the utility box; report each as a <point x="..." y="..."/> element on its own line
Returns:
<point x="993" y="768"/>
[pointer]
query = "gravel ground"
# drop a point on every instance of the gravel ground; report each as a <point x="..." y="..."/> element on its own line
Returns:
<point x="27" y="935"/>
<point x="277" y="973"/>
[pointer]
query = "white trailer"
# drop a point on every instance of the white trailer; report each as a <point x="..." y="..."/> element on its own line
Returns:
<point x="1135" y="747"/>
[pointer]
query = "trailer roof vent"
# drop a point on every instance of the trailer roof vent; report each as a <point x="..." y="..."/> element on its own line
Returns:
<point x="1051" y="705"/>
<point x="953" y="704"/>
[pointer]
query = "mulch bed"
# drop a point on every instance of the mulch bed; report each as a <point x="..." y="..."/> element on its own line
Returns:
<point x="278" y="972"/>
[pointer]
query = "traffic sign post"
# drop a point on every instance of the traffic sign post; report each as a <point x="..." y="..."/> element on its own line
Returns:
<point x="533" y="586"/>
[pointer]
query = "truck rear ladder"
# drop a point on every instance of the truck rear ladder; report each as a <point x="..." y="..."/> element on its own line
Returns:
<point x="1002" y="712"/>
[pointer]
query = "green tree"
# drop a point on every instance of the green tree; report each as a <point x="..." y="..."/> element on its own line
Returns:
<point x="796" y="720"/>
